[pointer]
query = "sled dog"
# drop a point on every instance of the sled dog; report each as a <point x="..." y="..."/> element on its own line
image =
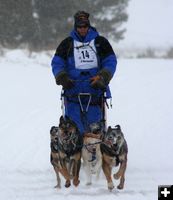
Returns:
<point x="91" y="154"/>
<point x="66" y="145"/>
<point x="114" y="153"/>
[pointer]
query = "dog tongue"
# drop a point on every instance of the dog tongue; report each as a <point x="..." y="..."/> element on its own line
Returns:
<point x="108" y="143"/>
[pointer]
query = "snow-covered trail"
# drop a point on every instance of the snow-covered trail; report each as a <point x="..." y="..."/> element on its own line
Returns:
<point x="30" y="105"/>
<point x="37" y="184"/>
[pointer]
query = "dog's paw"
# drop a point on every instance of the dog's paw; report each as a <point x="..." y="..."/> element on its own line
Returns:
<point x="116" y="176"/>
<point x="88" y="183"/>
<point x="67" y="184"/>
<point x="93" y="171"/>
<point x="76" y="182"/>
<point x="57" y="186"/>
<point x="110" y="186"/>
<point x="120" y="187"/>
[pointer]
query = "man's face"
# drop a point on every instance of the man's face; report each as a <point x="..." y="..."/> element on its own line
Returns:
<point x="82" y="30"/>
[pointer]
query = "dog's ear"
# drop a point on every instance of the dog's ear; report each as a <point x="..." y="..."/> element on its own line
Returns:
<point x="109" y="129"/>
<point x="95" y="127"/>
<point x="52" y="128"/>
<point x="61" y="120"/>
<point x="70" y="121"/>
<point x="118" y="127"/>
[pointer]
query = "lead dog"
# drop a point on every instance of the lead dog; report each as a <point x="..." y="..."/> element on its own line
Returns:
<point x="66" y="145"/>
<point x="114" y="153"/>
<point x="91" y="154"/>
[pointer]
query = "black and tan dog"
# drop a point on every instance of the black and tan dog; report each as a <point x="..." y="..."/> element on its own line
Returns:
<point x="114" y="152"/>
<point x="66" y="145"/>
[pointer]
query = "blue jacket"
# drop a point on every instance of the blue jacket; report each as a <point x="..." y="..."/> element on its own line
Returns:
<point x="64" y="60"/>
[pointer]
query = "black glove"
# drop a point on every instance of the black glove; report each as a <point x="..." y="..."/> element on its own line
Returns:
<point x="101" y="80"/>
<point x="63" y="79"/>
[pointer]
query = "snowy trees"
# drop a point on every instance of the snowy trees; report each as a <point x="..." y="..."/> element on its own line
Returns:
<point x="41" y="23"/>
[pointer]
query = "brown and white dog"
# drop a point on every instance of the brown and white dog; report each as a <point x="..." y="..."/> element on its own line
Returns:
<point x="114" y="152"/>
<point x="91" y="154"/>
<point x="66" y="145"/>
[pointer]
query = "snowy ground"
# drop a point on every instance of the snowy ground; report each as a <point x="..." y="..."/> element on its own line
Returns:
<point x="148" y="28"/>
<point x="30" y="105"/>
<point x="148" y="24"/>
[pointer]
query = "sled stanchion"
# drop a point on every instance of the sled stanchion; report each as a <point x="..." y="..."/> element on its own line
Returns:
<point x="62" y="103"/>
<point x="89" y="100"/>
<point x="84" y="111"/>
<point x="103" y="107"/>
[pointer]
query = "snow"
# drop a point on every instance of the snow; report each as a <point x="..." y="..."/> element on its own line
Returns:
<point x="30" y="105"/>
<point x="149" y="26"/>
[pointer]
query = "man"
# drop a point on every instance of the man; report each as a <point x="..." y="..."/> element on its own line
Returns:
<point x="85" y="63"/>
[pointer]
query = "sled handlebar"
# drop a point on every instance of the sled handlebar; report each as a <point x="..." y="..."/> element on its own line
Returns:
<point x="88" y="80"/>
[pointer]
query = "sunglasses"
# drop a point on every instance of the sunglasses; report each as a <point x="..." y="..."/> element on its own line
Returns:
<point x="83" y="26"/>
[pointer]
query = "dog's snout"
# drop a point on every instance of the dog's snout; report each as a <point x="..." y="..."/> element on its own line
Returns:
<point x="94" y="149"/>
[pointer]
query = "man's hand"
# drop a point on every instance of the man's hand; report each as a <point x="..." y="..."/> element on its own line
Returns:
<point x="63" y="79"/>
<point x="101" y="80"/>
<point x="98" y="82"/>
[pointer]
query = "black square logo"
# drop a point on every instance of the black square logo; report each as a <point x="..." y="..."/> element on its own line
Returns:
<point x="165" y="192"/>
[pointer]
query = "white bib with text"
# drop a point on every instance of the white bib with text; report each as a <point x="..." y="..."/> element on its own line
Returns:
<point x="85" y="55"/>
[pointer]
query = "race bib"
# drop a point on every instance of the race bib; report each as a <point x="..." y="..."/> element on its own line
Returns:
<point x="85" y="55"/>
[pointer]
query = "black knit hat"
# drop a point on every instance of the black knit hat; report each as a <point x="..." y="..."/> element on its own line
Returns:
<point x="81" y="18"/>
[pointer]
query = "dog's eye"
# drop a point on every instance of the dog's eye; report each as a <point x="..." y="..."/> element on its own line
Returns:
<point x="62" y="126"/>
<point x="68" y="126"/>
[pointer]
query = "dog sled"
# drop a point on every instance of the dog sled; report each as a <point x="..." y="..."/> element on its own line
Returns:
<point x="102" y="102"/>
